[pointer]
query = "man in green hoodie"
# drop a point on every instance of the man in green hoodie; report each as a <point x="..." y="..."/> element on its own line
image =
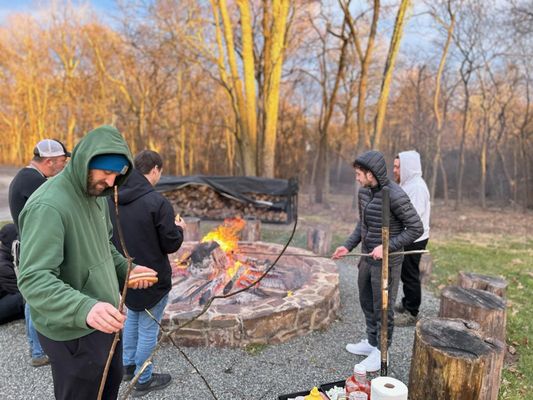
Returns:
<point x="70" y="272"/>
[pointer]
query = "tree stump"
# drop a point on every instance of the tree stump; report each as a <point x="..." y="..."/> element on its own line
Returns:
<point x="492" y="284"/>
<point x="426" y="268"/>
<point x="487" y="309"/>
<point x="319" y="240"/>
<point x="252" y="230"/>
<point x="452" y="361"/>
<point x="191" y="232"/>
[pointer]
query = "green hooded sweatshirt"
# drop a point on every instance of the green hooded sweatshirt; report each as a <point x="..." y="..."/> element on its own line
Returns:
<point x="67" y="260"/>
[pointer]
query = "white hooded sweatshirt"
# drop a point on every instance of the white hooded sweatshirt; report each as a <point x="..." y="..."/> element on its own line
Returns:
<point x="412" y="183"/>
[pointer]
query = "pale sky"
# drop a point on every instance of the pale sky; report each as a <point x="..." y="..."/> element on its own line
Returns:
<point x="7" y="7"/>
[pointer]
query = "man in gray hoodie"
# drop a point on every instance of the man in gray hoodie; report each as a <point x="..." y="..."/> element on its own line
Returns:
<point x="408" y="174"/>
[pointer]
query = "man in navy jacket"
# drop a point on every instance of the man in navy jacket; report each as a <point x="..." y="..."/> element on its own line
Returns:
<point x="151" y="233"/>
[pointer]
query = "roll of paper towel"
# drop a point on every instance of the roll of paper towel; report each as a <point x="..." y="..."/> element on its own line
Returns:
<point x="385" y="388"/>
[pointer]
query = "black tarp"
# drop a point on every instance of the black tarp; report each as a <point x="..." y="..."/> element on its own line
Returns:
<point x="236" y="187"/>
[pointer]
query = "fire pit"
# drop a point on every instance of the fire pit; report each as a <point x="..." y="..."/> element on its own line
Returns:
<point x="299" y="295"/>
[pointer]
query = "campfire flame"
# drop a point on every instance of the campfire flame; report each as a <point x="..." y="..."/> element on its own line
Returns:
<point x="227" y="237"/>
<point x="227" y="234"/>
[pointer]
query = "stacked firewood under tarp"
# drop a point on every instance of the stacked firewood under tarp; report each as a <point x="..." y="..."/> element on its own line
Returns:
<point x="269" y="200"/>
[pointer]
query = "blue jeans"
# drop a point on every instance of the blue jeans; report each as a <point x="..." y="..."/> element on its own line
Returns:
<point x="35" y="346"/>
<point x="140" y="337"/>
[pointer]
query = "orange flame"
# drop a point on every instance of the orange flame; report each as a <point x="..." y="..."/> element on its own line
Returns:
<point x="227" y="234"/>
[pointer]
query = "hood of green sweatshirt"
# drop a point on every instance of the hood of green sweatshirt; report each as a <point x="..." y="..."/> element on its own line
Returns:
<point x="102" y="140"/>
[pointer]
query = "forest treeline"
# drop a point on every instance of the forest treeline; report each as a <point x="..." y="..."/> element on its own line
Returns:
<point x="283" y="88"/>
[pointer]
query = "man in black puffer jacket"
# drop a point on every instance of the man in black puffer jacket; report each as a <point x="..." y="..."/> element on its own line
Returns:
<point x="150" y="233"/>
<point x="405" y="228"/>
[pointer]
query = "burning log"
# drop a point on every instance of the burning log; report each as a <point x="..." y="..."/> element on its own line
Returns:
<point x="207" y="260"/>
<point x="216" y="267"/>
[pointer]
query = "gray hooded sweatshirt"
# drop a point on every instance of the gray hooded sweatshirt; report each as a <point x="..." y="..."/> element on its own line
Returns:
<point x="412" y="183"/>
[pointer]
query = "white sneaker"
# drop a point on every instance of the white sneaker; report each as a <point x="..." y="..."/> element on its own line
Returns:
<point x="373" y="362"/>
<point x="363" y="348"/>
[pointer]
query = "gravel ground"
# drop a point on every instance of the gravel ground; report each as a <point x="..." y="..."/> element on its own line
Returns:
<point x="300" y="364"/>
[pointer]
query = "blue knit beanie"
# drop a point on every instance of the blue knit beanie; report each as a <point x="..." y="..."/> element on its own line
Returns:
<point x="110" y="162"/>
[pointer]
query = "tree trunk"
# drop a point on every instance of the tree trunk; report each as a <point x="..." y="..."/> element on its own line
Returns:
<point x="452" y="360"/>
<point x="483" y="168"/>
<point x="387" y="74"/>
<point x="487" y="309"/>
<point x="436" y="98"/>
<point x="280" y="10"/>
<point x="328" y="104"/>
<point x="444" y="181"/>
<point x="461" y="161"/>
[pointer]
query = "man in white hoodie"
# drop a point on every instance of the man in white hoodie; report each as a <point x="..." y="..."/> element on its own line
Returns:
<point x="408" y="174"/>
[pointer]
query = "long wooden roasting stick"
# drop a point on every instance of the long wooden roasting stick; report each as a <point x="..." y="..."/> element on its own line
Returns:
<point x="385" y="220"/>
<point x="355" y="254"/>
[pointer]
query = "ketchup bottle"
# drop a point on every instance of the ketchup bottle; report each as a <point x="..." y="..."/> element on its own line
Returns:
<point x="357" y="383"/>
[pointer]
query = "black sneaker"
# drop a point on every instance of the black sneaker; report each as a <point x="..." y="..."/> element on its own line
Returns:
<point x="129" y="372"/>
<point x="399" y="308"/>
<point x="405" y="319"/>
<point x="157" y="382"/>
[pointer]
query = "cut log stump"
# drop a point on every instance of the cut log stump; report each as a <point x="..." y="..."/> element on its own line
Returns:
<point x="492" y="284"/>
<point x="487" y="309"/>
<point x="192" y="230"/>
<point x="452" y="361"/>
<point x="319" y="240"/>
<point x="252" y="230"/>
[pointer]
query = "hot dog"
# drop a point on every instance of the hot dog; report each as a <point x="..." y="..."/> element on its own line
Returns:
<point x="143" y="276"/>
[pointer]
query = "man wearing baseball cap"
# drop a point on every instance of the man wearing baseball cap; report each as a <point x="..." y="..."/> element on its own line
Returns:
<point x="71" y="275"/>
<point x="49" y="159"/>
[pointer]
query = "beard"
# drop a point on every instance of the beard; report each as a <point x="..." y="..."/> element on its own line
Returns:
<point x="94" y="187"/>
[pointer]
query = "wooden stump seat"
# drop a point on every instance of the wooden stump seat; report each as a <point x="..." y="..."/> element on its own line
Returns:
<point x="319" y="240"/>
<point x="487" y="309"/>
<point x="453" y="361"/>
<point x="192" y="230"/>
<point x="492" y="284"/>
<point x="252" y="230"/>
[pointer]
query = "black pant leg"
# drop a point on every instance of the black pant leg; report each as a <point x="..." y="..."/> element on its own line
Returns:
<point x="412" y="289"/>
<point x="78" y="366"/>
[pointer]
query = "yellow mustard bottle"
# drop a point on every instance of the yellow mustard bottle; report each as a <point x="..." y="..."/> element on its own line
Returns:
<point x="314" y="395"/>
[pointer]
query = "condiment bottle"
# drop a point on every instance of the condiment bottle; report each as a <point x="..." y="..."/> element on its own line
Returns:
<point x="313" y="395"/>
<point x="357" y="383"/>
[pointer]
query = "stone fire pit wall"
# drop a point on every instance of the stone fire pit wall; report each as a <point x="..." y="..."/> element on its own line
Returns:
<point x="275" y="320"/>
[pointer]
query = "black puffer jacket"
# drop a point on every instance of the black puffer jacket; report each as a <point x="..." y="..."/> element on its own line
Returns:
<point x="147" y="221"/>
<point x="405" y="224"/>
